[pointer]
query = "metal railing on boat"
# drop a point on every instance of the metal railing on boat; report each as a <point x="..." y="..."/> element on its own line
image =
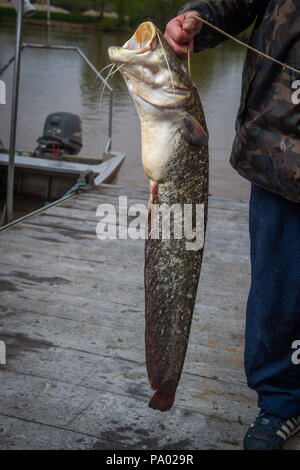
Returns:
<point x="7" y="217"/>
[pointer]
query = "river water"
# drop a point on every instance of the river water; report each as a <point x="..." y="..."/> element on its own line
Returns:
<point x="54" y="81"/>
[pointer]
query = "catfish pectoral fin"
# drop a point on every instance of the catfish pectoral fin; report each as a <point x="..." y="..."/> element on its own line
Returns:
<point x="193" y="132"/>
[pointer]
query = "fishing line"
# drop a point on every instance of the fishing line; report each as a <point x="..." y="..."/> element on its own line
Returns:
<point x="167" y="64"/>
<point x="102" y="70"/>
<point x="189" y="62"/>
<point x="241" y="43"/>
<point x="103" y="86"/>
<point x="109" y="75"/>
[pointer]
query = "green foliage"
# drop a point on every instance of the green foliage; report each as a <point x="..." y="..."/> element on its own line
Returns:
<point x="129" y="12"/>
<point x="121" y="7"/>
<point x="79" y="6"/>
<point x="160" y="11"/>
<point x="9" y="13"/>
<point x="134" y="11"/>
<point x="74" y="6"/>
<point x="99" y="5"/>
<point x="108" y="24"/>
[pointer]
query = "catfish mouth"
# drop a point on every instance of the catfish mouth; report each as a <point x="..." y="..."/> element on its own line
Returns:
<point x="148" y="77"/>
<point x="144" y="39"/>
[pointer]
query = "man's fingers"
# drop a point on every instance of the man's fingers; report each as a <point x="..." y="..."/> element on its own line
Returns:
<point x="182" y="37"/>
<point x="175" y="31"/>
<point x="180" y="33"/>
<point x="191" y="25"/>
<point x="179" y="49"/>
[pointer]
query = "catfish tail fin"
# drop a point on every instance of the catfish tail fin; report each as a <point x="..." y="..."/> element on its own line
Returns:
<point x="161" y="402"/>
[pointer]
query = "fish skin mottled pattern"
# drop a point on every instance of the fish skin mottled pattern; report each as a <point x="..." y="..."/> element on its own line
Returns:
<point x="171" y="270"/>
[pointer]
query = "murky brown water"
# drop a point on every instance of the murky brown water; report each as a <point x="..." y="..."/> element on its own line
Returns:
<point x="60" y="81"/>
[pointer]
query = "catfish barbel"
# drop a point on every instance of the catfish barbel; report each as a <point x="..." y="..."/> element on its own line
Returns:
<point x="175" y="159"/>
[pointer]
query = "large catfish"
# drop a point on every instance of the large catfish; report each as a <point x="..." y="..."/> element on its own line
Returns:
<point x="175" y="158"/>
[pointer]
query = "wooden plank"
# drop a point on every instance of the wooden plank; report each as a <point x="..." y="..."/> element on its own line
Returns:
<point x="118" y="375"/>
<point x="220" y="316"/>
<point x="116" y="190"/>
<point x="59" y="264"/>
<point x="73" y="218"/>
<point x="212" y="398"/>
<point x="86" y="411"/>
<point x="122" y="377"/>
<point x="72" y="316"/>
<point x="238" y="243"/>
<point x="70" y="281"/>
<point x="19" y="434"/>
<point x="119" y="338"/>
<point x="120" y="292"/>
<point x="107" y="260"/>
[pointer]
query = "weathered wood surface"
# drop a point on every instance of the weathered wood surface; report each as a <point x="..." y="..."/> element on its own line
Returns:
<point x="72" y="317"/>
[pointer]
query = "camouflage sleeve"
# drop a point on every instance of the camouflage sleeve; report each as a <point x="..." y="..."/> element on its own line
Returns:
<point x="234" y="16"/>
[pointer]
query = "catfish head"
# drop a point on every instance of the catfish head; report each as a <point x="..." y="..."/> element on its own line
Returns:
<point x="163" y="94"/>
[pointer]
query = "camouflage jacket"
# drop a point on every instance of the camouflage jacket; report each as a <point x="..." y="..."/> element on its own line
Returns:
<point x="266" y="149"/>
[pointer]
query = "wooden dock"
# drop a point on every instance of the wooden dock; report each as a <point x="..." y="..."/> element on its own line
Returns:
<point x="72" y="318"/>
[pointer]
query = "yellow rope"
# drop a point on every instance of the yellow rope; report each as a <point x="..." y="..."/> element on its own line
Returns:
<point x="189" y="62"/>
<point x="241" y="43"/>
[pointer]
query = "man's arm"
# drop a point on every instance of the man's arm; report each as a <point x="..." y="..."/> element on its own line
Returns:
<point x="233" y="16"/>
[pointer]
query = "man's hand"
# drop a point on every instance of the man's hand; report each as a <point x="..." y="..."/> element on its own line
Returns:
<point x="180" y="33"/>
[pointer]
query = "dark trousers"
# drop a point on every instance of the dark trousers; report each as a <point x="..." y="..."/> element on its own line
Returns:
<point x="272" y="363"/>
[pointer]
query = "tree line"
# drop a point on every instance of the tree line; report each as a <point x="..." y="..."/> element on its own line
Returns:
<point x="129" y="12"/>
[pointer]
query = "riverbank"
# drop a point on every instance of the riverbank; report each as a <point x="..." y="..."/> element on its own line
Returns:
<point x="61" y="21"/>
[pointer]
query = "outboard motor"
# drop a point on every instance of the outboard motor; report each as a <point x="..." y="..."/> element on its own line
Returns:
<point x="62" y="134"/>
